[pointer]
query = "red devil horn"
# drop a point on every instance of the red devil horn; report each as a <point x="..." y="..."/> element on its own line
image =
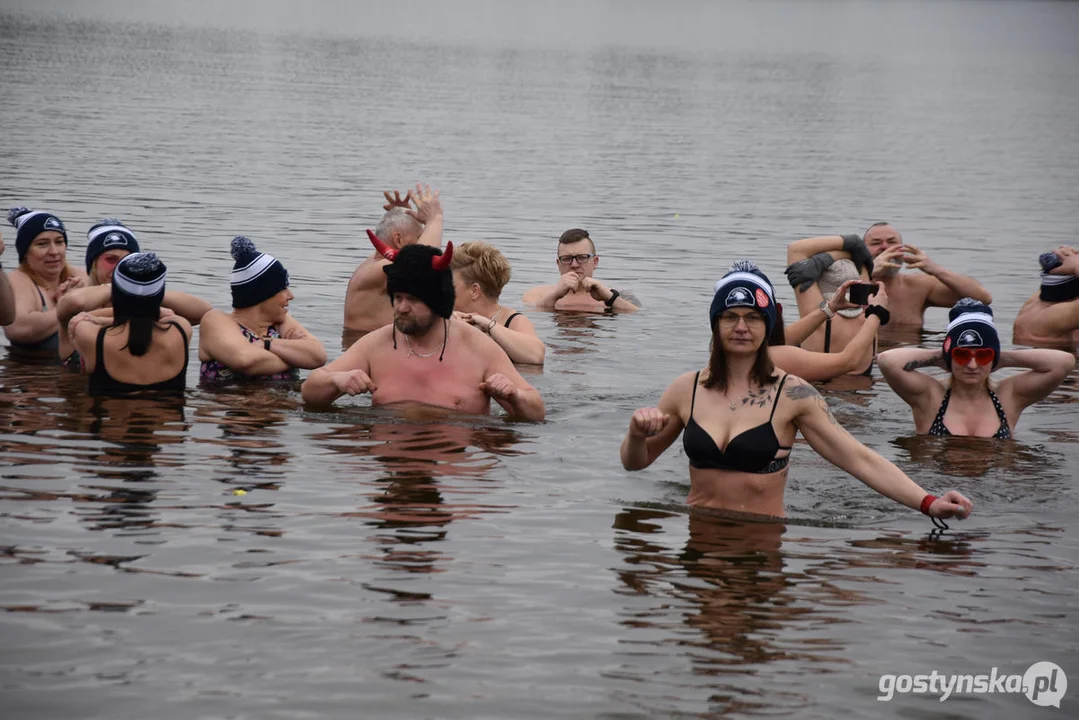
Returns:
<point x="385" y="250"/>
<point x="441" y="262"/>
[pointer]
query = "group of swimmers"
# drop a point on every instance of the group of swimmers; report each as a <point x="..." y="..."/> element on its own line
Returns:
<point x="437" y="332"/>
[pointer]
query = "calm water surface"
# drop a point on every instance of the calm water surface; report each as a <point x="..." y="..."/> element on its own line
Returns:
<point x="234" y="555"/>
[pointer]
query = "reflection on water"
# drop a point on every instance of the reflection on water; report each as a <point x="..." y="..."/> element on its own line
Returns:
<point x="428" y="475"/>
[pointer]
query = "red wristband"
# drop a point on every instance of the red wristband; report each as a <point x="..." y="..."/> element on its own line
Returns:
<point x="926" y="502"/>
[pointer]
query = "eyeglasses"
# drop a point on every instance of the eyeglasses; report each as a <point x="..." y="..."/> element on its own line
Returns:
<point x="581" y="259"/>
<point x="753" y="320"/>
<point x="982" y="356"/>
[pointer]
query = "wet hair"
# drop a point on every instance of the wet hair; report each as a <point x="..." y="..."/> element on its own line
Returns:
<point x="576" y="235"/>
<point x="482" y="263"/>
<point x="397" y="220"/>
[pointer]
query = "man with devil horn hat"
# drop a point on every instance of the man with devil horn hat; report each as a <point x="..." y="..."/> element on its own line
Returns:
<point x="425" y="356"/>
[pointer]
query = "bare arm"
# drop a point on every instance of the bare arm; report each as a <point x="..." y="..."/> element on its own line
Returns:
<point x="31" y="323"/>
<point x="652" y="430"/>
<point x="518" y="398"/>
<point x="1048" y="368"/>
<point x="186" y="305"/>
<point x="900" y="369"/>
<point x="7" y="300"/>
<point x="349" y="373"/>
<point x="798" y="331"/>
<point x="826" y="436"/>
<point x="520" y="341"/>
<point x="951" y="286"/>
<point x="808" y="247"/>
<point x="818" y="366"/>
<point x="221" y="339"/>
<point x="297" y="346"/>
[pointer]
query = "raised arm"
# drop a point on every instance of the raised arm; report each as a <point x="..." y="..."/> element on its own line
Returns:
<point x="221" y="339"/>
<point x="428" y="213"/>
<point x="949" y="286"/>
<point x="1047" y="369"/>
<point x="818" y="366"/>
<point x="798" y="331"/>
<point x="186" y="305"/>
<point x="297" y="346"/>
<point x="652" y="430"/>
<point x="900" y="368"/>
<point x="828" y="438"/>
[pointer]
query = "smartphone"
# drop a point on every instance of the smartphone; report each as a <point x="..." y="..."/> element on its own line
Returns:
<point x="859" y="293"/>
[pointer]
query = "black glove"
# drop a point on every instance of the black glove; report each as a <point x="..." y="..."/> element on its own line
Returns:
<point x="806" y="272"/>
<point x="859" y="253"/>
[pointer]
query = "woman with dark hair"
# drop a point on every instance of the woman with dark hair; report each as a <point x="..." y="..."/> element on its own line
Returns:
<point x="41" y="279"/>
<point x="969" y="404"/>
<point x="107" y="243"/>
<point x="135" y="345"/>
<point x="740" y="402"/>
<point x="259" y="339"/>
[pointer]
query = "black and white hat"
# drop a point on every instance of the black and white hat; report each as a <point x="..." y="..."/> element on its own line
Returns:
<point x="109" y="234"/>
<point x="256" y="276"/>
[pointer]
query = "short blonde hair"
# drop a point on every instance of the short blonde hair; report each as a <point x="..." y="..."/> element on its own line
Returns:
<point x="482" y="263"/>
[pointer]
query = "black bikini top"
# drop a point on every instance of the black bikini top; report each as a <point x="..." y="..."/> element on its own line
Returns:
<point x="753" y="450"/>
<point x="101" y="383"/>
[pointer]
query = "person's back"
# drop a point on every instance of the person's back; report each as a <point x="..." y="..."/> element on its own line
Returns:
<point x="163" y="367"/>
<point x="133" y="346"/>
<point x="1051" y="316"/>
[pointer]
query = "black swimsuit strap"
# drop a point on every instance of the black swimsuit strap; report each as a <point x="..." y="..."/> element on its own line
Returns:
<point x="693" y="400"/>
<point x="775" y="404"/>
<point x="828" y="335"/>
<point x="510" y="319"/>
<point x="99" y="353"/>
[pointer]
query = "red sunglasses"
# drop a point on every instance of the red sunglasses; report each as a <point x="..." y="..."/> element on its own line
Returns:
<point x="982" y="356"/>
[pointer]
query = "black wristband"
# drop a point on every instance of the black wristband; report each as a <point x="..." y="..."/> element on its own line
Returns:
<point x="880" y="312"/>
<point x="266" y="342"/>
<point x="609" y="302"/>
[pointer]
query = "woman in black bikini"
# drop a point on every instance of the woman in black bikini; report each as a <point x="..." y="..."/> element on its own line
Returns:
<point x="755" y="413"/>
<point x="42" y="278"/>
<point x="134" y="345"/>
<point x="480" y="271"/>
<point x="970" y="404"/>
<point x="107" y="243"/>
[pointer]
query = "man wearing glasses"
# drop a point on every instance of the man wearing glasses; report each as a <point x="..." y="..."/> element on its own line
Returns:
<point x="577" y="290"/>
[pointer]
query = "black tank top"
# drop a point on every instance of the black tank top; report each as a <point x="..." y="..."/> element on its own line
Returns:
<point x="753" y="450"/>
<point x="101" y="383"/>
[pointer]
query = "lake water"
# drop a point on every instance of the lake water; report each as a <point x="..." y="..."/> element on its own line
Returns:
<point x="384" y="566"/>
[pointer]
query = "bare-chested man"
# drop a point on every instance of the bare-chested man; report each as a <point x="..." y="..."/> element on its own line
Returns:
<point x="1051" y="316"/>
<point x="436" y="360"/>
<point x="577" y="289"/>
<point x="909" y="293"/>
<point x="366" y="308"/>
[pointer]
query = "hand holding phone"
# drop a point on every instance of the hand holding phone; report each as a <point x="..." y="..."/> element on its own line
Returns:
<point x="859" y="292"/>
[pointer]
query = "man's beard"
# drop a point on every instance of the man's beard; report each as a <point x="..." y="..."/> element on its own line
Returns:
<point x="409" y="325"/>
